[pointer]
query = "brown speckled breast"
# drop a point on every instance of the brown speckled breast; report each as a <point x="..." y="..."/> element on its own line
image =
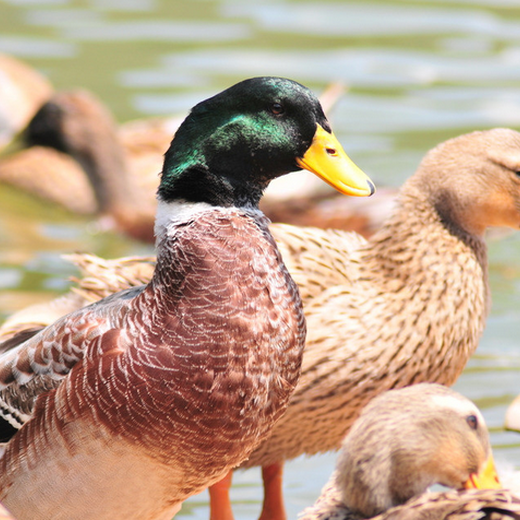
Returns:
<point x="194" y="369"/>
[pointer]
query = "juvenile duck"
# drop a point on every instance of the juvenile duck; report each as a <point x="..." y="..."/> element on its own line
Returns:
<point x="130" y="405"/>
<point x="405" y="441"/>
<point x="409" y="305"/>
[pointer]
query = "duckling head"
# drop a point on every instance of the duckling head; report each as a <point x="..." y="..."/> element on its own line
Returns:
<point x="409" y="439"/>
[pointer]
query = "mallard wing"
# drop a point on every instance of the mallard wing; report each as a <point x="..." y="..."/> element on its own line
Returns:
<point x="98" y="279"/>
<point x="36" y="364"/>
<point x="26" y="322"/>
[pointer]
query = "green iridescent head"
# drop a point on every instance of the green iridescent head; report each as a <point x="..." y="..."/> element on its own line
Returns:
<point x="232" y="145"/>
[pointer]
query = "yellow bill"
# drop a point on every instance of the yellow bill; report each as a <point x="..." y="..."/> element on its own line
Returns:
<point x="327" y="159"/>
<point x="486" y="478"/>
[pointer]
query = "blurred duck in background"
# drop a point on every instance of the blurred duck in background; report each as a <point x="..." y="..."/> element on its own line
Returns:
<point x="22" y="91"/>
<point x="75" y="155"/>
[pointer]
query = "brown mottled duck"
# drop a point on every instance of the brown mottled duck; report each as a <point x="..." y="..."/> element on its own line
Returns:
<point x="405" y="441"/>
<point x="78" y="158"/>
<point x="408" y="305"/>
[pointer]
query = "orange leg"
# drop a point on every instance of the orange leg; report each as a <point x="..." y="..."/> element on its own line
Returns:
<point x="273" y="508"/>
<point x="219" y="502"/>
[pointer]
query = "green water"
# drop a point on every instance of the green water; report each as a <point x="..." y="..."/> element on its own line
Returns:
<point x="418" y="72"/>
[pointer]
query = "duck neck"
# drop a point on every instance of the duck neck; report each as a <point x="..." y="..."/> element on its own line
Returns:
<point x="175" y="218"/>
<point x="194" y="178"/>
<point x="417" y="230"/>
<point x="200" y="185"/>
<point x="217" y="271"/>
<point x="175" y="214"/>
<point x="106" y="167"/>
<point x="437" y="271"/>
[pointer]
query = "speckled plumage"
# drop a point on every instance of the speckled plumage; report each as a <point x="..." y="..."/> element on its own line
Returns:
<point x="234" y="388"/>
<point x="400" y="315"/>
<point x="409" y="305"/>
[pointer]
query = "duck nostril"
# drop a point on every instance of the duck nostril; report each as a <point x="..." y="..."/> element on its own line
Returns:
<point x="331" y="151"/>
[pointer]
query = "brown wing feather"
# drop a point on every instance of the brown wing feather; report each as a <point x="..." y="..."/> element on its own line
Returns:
<point x="212" y="344"/>
<point x="38" y="364"/>
<point x="479" y="504"/>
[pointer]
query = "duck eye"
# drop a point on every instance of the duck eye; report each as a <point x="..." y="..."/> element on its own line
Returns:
<point x="472" y="421"/>
<point x="277" y="109"/>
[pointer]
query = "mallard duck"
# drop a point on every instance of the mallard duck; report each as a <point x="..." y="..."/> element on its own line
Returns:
<point x="406" y="306"/>
<point x="74" y="155"/>
<point x="405" y="441"/>
<point x="130" y="405"/>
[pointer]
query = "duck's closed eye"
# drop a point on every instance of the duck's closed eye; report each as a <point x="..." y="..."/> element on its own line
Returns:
<point x="277" y="109"/>
<point x="472" y="421"/>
